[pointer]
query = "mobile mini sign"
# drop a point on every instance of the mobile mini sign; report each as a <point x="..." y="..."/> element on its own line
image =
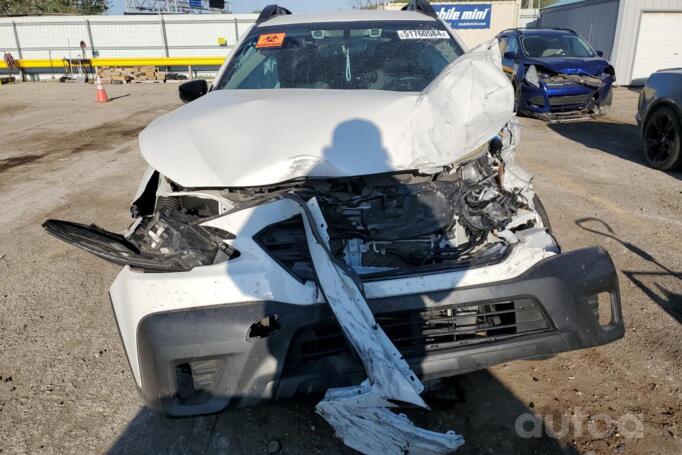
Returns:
<point x="465" y="15"/>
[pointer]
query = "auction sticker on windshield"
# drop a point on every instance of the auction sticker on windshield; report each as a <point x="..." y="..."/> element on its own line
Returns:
<point x="271" y="40"/>
<point x="423" y="34"/>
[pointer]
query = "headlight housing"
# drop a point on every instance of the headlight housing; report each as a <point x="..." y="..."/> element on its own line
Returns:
<point x="532" y="76"/>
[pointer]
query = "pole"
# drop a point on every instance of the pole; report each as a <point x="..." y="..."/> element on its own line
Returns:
<point x="16" y="39"/>
<point x="19" y="53"/>
<point x="163" y="35"/>
<point x="92" y="43"/>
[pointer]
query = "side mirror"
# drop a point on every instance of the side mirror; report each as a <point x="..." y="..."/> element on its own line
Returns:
<point x="189" y="91"/>
<point x="600" y="53"/>
<point x="510" y="55"/>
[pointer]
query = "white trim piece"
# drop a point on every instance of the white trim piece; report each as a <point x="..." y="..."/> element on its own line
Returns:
<point x="360" y="415"/>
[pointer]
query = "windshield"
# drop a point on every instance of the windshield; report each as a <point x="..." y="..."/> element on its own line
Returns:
<point x="556" y="46"/>
<point x="398" y="56"/>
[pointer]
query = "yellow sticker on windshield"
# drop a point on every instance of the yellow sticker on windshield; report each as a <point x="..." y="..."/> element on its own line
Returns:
<point x="270" y="40"/>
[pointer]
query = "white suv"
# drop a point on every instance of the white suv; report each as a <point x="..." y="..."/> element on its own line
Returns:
<point x="347" y="175"/>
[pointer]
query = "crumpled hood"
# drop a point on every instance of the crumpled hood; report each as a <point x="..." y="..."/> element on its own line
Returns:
<point x="238" y="138"/>
<point x="594" y="66"/>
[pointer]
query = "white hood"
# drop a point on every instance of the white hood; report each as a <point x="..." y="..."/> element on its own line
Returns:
<point x="236" y="138"/>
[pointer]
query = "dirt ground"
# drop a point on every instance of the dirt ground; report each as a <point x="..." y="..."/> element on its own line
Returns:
<point x="65" y="385"/>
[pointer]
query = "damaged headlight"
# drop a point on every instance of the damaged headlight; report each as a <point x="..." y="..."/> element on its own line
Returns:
<point x="532" y="76"/>
<point x="168" y="241"/>
<point x="179" y="243"/>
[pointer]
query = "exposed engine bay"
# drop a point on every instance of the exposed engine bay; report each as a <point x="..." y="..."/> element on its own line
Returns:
<point x="378" y="224"/>
<point x="558" y="79"/>
<point x="393" y="223"/>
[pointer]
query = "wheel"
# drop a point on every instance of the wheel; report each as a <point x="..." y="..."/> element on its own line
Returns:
<point x="661" y="139"/>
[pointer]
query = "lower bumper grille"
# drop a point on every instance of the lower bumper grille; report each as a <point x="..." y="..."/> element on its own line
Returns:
<point x="569" y="100"/>
<point x="537" y="100"/>
<point x="417" y="332"/>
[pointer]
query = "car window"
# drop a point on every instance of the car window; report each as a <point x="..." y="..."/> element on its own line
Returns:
<point x="556" y="46"/>
<point x="399" y="56"/>
<point x="513" y="45"/>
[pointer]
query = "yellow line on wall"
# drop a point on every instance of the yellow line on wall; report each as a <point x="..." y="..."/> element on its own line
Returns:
<point x="125" y="61"/>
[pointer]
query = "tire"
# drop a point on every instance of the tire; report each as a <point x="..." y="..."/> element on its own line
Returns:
<point x="542" y="212"/>
<point x="662" y="139"/>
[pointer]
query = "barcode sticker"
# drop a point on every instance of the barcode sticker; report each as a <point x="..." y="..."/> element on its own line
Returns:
<point x="423" y="34"/>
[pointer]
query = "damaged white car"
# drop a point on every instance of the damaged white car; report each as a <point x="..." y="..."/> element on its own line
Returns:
<point x="340" y="212"/>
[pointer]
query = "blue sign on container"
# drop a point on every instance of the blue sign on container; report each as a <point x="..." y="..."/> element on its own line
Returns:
<point x="465" y="15"/>
<point x="195" y="3"/>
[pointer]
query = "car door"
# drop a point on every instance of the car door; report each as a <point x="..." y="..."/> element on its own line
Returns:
<point x="502" y="41"/>
<point x="510" y="55"/>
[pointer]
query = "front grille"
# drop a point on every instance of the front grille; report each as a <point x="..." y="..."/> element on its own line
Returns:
<point x="417" y="332"/>
<point x="569" y="100"/>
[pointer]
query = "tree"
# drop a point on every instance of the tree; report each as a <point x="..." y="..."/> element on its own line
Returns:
<point x="92" y="6"/>
<point x="40" y="7"/>
<point x="365" y="4"/>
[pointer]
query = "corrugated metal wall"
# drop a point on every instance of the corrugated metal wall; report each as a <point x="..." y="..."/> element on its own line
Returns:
<point x="504" y="15"/>
<point x="594" y="20"/>
<point x="625" y="42"/>
<point x="597" y="20"/>
<point x="184" y="35"/>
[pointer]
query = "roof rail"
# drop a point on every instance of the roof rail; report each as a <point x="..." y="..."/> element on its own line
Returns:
<point x="562" y="28"/>
<point x="271" y="11"/>
<point x="539" y="28"/>
<point x="421" y="6"/>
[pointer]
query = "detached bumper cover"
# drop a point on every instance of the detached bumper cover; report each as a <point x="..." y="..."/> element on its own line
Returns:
<point x="229" y="367"/>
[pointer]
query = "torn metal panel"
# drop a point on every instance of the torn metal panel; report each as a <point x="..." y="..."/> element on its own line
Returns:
<point x="582" y="79"/>
<point x="359" y="414"/>
<point x="374" y="430"/>
<point x="465" y="106"/>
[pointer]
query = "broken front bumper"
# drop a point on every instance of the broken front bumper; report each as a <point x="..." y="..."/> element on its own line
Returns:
<point x="205" y="359"/>
<point x="566" y="103"/>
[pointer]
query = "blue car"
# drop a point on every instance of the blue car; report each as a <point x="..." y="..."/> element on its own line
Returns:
<point x="556" y="74"/>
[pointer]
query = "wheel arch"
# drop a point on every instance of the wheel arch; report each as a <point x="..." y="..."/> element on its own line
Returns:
<point x="659" y="104"/>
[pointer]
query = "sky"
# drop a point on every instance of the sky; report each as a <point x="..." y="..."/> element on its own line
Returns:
<point x="248" y="6"/>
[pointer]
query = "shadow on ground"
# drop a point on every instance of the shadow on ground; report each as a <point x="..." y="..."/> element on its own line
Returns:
<point x="476" y="405"/>
<point x="661" y="285"/>
<point x="617" y="139"/>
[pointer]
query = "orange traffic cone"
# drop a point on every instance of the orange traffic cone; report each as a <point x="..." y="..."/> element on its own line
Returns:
<point x="101" y="93"/>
